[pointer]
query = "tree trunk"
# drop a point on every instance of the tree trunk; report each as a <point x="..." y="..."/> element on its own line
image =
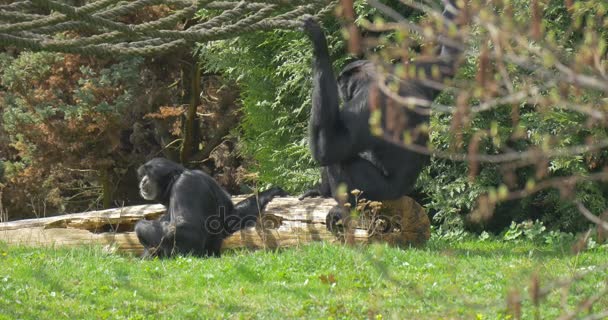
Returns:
<point x="286" y="222"/>
<point x="192" y="75"/>
<point x="106" y="188"/>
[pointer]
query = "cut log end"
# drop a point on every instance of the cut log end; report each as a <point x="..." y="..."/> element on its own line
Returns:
<point x="286" y="222"/>
<point x="415" y="223"/>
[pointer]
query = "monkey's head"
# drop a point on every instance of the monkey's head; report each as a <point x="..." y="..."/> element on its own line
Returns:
<point x="354" y="77"/>
<point x="156" y="178"/>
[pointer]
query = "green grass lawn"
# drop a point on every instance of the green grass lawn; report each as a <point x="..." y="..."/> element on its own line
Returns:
<point x="462" y="280"/>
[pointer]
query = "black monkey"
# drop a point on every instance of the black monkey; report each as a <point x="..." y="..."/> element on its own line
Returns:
<point x="341" y="139"/>
<point x="200" y="214"/>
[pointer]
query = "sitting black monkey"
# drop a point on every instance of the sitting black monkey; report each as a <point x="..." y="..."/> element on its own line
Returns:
<point x="200" y="214"/>
<point x="341" y="139"/>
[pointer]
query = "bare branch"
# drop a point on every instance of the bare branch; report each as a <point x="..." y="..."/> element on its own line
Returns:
<point x="590" y="216"/>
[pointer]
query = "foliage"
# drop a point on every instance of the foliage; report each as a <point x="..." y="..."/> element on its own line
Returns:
<point x="466" y="280"/>
<point x="273" y="70"/>
<point x="65" y="117"/>
<point x="69" y="108"/>
<point x="520" y="127"/>
<point x="536" y="231"/>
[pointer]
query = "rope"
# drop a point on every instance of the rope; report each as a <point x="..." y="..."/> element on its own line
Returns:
<point x="24" y="25"/>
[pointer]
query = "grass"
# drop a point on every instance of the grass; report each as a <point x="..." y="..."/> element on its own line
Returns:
<point x="463" y="280"/>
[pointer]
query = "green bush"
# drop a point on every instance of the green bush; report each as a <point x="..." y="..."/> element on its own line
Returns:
<point x="450" y="195"/>
<point x="273" y="70"/>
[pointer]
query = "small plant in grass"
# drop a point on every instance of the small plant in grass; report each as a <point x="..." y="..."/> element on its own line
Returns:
<point x="531" y="230"/>
<point x="368" y="215"/>
<point x="536" y="232"/>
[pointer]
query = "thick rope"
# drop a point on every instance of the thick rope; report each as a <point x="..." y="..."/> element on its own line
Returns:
<point x="23" y="25"/>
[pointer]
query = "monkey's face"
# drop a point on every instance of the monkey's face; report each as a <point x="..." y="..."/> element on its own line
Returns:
<point x="156" y="178"/>
<point x="148" y="189"/>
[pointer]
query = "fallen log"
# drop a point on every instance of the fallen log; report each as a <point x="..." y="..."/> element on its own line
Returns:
<point x="286" y="222"/>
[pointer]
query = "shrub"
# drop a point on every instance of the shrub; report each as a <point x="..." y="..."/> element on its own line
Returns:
<point x="65" y="117"/>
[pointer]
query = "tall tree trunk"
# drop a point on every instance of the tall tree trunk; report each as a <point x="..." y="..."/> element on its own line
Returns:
<point x="192" y="75"/>
<point x="106" y="187"/>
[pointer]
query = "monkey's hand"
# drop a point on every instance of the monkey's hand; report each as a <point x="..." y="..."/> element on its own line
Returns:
<point x="310" y="194"/>
<point x="312" y="28"/>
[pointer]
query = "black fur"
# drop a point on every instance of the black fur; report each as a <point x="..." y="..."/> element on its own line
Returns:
<point x="341" y="139"/>
<point x="200" y="214"/>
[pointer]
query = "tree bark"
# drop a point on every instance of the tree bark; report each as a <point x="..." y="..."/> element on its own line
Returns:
<point x="190" y="140"/>
<point x="106" y="187"/>
<point x="286" y="222"/>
